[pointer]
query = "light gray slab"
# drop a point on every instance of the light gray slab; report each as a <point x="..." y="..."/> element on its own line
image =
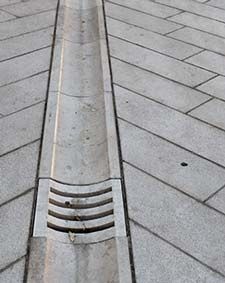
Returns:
<point x="158" y="63"/>
<point x="174" y="126"/>
<point x="139" y="19"/>
<point x="215" y="87"/>
<point x="26" y="24"/>
<point x="209" y="60"/>
<point x="217" y="3"/>
<point x="25" y="43"/>
<point x="5" y="16"/>
<point x="14" y="224"/>
<point x="21" y="128"/>
<point x="212" y="112"/>
<point x="151" y="40"/>
<point x="13" y="274"/>
<point x="163" y="160"/>
<point x="187" y="224"/>
<point x="157" y="261"/>
<point x="21" y="94"/>
<point x="197" y="8"/>
<point x="201" y="23"/>
<point x="24" y="66"/>
<point x="25" y="8"/>
<point x="218" y="201"/>
<point x="199" y="38"/>
<point x="156" y="87"/>
<point x="146" y="6"/>
<point x="8" y="2"/>
<point x="18" y="171"/>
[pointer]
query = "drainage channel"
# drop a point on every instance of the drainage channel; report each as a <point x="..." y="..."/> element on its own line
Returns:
<point x="79" y="231"/>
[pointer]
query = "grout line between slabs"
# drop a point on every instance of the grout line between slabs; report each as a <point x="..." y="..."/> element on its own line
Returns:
<point x="12" y="263"/>
<point x="213" y="194"/>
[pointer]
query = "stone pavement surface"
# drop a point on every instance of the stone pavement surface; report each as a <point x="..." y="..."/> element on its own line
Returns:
<point x="26" y="34"/>
<point x="168" y="68"/>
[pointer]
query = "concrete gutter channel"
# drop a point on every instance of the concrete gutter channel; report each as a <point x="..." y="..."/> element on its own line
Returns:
<point x="79" y="231"/>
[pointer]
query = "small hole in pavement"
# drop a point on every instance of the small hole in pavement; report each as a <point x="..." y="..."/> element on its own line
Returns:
<point x="184" y="164"/>
<point x="67" y="203"/>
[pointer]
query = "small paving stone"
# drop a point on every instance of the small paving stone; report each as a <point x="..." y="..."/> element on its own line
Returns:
<point x="14" y="224"/>
<point x="26" y="24"/>
<point x="215" y="87"/>
<point x="173" y="165"/>
<point x="201" y="23"/>
<point x="160" y="89"/>
<point x="151" y="40"/>
<point x="24" y="66"/>
<point x="22" y="161"/>
<point x="21" y="128"/>
<point x="5" y="16"/>
<point x="212" y="112"/>
<point x="13" y="274"/>
<point x="196" y="8"/>
<point x="158" y="63"/>
<point x="218" y="201"/>
<point x="194" y="135"/>
<point x="210" y="61"/>
<point x="140" y="19"/>
<point x="157" y="261"/>
<point x="22" y="94"/>
<point x="146" y="6"/>
<point x="217" y="3"/>
<point x="25" y="8"/>
<point x="184" y="222"/>
<point x="200" y="38"/>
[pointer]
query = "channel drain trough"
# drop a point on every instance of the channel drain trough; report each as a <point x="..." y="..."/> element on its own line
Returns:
<point x="79" y="230"/>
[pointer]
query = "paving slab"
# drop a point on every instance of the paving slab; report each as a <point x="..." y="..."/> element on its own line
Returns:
<point x="198" y="178"/>
<point x="22" y="161"/>
<point x="210" y="61"/>
<point x="215" y="87"/>
<point x="183" y="130"/>
<point x="180" y="220"/>
<point x="218" y="201"/>
<point x="140" y="19"/>
<point x="201" y="23"/>
<point x="146" y="6"/>
<point x="159" y="262"/>
<point x="13" y="274"/>
<point x="24" y="93"/>
<point x="21" y="128"/>
<point x="151" y="40"/>
<point x="14" y="234"/>
<point x="24" y="66"/>
<point x="22" y="44"/>
<point x="25" y="8"/>
<point x="5" y="16"/>
<point x="158" y="63"/>
<point x="217" y="3"/>
<point x="212" y="112"/>
<point x="201" y="39"/>
<point x="26" y="24"/>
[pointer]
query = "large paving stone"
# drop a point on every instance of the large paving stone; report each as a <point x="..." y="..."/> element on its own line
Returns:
<point x="163" y="160"/>
<point x="24" y="66"/>
<point x="21" y="128"/>
<point x="174" y="126"/>
<point x="14" y="274"/>
<point x="14" y="225"/>
<point x="218" y="201"/>
<point x="26" y="24"/>
<point x="160" y="89"/>
<point x="146" y="6"/>
<point x="157" y="261"/>
<point x="200" y="23"/>
<point x="210" y="61"/>
<point x="187" y="224"/>
<point x="151" y="40"/>
<point x="140" y="19"/>
<point x="21" y="94"/>
<point x="212" y="112"/>
<point x="158" y="63"/>
<point x="18" y="171"/>
<point x="215" y="87"/>
<point x="200" y="38"/>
